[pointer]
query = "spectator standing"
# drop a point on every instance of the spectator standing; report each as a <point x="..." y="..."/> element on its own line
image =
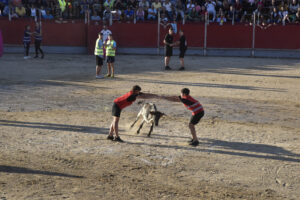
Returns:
<point x="95" y="17"/>
<point x="99" y="55"/>
<point x="105" y="32"/>
<point x="168" y="41"/>
<point x="38" y="40"/>
<point x="26" y="41"/>
<point x="33" y="11"/>
<point x="293" y="8"/>
<point x="211" y="10"/>
<point x="167" y="4"/>
<point x="3" y="3"/>
<point x="182" y="48"/>
<point x="110" y="49"/>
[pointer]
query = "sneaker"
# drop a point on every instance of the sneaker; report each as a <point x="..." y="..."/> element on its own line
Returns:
<point x="181" y="69"/>
<point x="36" y="56"/>
<point x="191" y="140"/>
<point x="118" y="139"/>
<point x="194" y="143"/>
<point x="42" y="56"/>
<point x="112" y="76"/>
<point x="167" y="68"/>
<point x="99" y="76"/>
<point x="110" y="137"/>
<point x="107" y="75"/>
<point x="26" y="57"/>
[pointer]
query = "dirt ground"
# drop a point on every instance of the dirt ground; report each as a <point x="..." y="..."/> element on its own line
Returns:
<point x="54" y="119"/>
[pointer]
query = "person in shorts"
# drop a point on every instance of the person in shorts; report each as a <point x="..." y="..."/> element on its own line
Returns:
<point x="119" y="104"/>
<point x="168" y="41"/>
<point x="197" y="111"/>
<point x="110" y="49"/>
<point x="99" y="55"/>
<point x="182" y="49"/>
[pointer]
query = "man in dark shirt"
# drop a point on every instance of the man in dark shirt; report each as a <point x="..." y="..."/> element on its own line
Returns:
<point x="168" y="41"/>
<point x="182" y="48"/>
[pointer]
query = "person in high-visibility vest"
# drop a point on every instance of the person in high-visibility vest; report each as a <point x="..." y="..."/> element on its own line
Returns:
<point x="38" y="40"/>
<point x="99" y="55"/>
<point x="62" y="6"/>
<point x="194" y="106"/>
<point x="110" y="50"/>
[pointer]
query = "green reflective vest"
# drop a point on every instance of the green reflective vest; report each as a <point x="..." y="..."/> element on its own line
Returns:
<point x="110" y="51"/>
<point x="62" y="5"/>
<point x="98" y="49"/>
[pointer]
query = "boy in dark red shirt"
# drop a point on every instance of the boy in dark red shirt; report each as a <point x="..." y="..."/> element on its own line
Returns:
<point x="122" y="102"/>
<point x="194" y="106"/>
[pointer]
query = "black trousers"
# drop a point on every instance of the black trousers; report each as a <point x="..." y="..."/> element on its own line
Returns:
<point x="26" y="48"/>
<point x="37" y="44"/>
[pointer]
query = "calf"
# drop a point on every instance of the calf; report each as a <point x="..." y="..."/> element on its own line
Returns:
<point x="150" y="115"/>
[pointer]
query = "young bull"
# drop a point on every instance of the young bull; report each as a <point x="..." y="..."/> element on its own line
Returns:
<point x="150" y="115"/>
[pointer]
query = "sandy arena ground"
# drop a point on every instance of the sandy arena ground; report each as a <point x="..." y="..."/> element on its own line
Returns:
<point x="54" y="118"/>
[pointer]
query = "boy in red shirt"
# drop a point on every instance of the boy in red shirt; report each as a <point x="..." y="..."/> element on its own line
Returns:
<point x="122" y="102"/>
<point x="194" y="106"/>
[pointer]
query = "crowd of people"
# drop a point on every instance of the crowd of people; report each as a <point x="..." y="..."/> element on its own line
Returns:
<point x="221" y="11"/>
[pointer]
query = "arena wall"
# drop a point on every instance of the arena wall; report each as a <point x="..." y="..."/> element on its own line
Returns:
<point x="144" y="35"/>
<point x="1" y="43"/>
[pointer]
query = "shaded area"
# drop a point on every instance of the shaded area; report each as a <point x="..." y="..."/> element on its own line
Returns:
<point x="57" y="127"/>
<point x="251" y="150"/>
<point x="212" y="85"/>
<point x="22" y="170"/>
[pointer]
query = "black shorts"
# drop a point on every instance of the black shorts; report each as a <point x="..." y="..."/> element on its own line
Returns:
<point x="168" y="51"/>
<point x="182" y="53"/>
<point x="116" y="111"/>
<point x="196" y="118"/>
<point x="99" y="61"/>
<point x="110" y="59"/>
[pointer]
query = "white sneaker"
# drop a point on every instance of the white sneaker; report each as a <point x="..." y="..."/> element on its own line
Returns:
<point x="26" y="57"/>
<point x="99" y="77"/>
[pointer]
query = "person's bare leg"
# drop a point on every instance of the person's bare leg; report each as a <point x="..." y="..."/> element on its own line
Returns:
<point x="116" y="125"/>
<point x="108" y="69"/>
<point x="111" y="130"/>
<point x="193" y="132"/>
<point x="181" y="62"/>
<point x="98" y="69"/>
<point x="112" y="69"/>
<point x="167" y="61"/>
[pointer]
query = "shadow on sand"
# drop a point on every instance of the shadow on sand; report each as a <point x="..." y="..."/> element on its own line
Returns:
<point x="22" y="170"/>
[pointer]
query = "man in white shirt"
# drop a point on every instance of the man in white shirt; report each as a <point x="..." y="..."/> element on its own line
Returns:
<point x="105" y="32"/>
<point x="210" y="7"/>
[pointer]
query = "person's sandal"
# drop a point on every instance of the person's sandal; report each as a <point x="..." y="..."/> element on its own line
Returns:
<point x="107" y="75"/>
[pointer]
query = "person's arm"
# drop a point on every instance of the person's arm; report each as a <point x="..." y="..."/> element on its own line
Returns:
<point x="171" y="98"/>
<point x="143" y="95"/>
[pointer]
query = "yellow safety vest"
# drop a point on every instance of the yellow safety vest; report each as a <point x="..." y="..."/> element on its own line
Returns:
<point x="98" y="49"/>
<point x="62" y="5"/>
<point x="110" y="51"/>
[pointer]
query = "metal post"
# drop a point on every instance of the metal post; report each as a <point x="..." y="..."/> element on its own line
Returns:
<point x="205" y="34"/>
<point x="232" y="21"/>
<point x="253" y="36"/>
<point x="40" y="22"/>
<point x="9" y="14"/>
<point x="183" y="20"/>
<point x="110" y="19"/>
<point x="158" y="32"/>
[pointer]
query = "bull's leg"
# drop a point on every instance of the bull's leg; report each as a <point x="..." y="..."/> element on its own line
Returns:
<point x="136" y="119"/>
<point x="151" y="129"/>
<point x="138" y="131"/>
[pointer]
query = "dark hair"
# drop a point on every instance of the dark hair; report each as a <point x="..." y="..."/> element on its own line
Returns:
<point x="185" y="91"/>
<point x="136" y="88"/>
<point x="100" y="33"/>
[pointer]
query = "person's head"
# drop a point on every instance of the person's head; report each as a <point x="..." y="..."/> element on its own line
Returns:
<point x="110" y="37"/>
<point x="136" y="89"/>
<point x="181" y="33"/>
<point x="37" y="25"/>
<point x="185" y="92"/>
<point x="100" y="35"/>
<point x="171" y="31"/>
<point x="27" y="27"/>
<point x="104" y="27"/>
